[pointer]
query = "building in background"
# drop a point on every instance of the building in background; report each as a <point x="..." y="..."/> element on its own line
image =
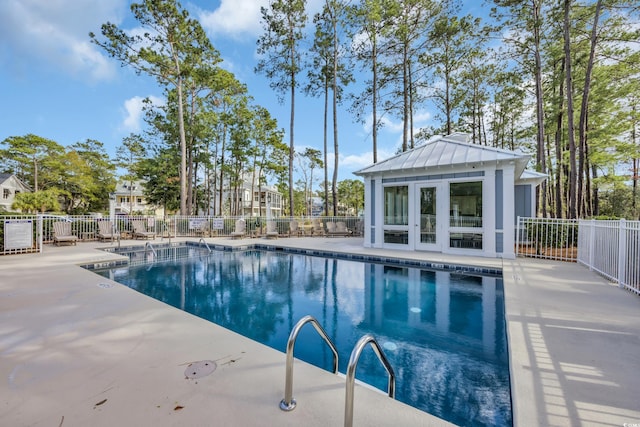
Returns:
<point x="252" y="201"/>
<point x="129" y="199"/>
<point x="10" y="185"/>
<point x="451" y="196"/>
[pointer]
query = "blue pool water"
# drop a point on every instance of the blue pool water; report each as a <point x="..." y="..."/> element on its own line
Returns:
<point x="443" y="333"/>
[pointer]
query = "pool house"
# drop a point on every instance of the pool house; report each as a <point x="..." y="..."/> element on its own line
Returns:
<point x="449" y="195"/>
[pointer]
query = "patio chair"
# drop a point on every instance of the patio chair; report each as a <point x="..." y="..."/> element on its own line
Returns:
<point x="318" y="228"/>
<point x="294" y="228"/>
<point x="62" y="233"/>
<point x="241" y="229"/>
<point x="359" y="228"/>
<point x="203" y="229"/>
<point x="331" y="228"/>
<point x="341" y="229"/>
<point x="140" y="230"/>
<point x="105" y="231"/>
<point x="337" y="229"/>
<point x="272" y="230"/>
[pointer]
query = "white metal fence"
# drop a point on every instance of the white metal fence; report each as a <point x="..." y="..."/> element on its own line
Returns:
<point x="547" y="238"/>
<point x="27" y="233"/>
<point x="611" y="248"/>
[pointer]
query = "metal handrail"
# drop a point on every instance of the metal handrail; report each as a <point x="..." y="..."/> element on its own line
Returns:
<point x="351" y="374"/>
<point x="289" y="403"/>
<point x="205" y="243"/>
<point x="148" y="246"/>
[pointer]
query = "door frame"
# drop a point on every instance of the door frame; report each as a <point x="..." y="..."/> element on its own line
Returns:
<point x="442" y="203"/>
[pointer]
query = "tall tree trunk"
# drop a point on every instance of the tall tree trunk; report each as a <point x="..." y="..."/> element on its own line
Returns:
<point x="570" y="125"/>
<point x="596" y="198"/>
<point x="635" y="166"/>
<point x="374" y="101"/>
<point x="588" y="208"/>
<point x="582" y="125"/>
<point x="540" y="158"/>
<point x="447" y="100"/>
<point x="475" y="115"/>
<point x="291" y="146"/>
<point x="405" y="97"/>
<point x="191" y="174"/>
<point x="558" y="143"/>
<point x="190" y="178"/>
<point x="224" y="141"/>
<point x="334" y="83"/>
<point x="183" y="145"/>
<point x="411" y="137"/>
<point x="35" y="174"/>
<point x="325" y="138"/>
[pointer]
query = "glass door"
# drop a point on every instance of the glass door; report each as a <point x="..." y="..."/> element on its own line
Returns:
<point x="427" y="229"/>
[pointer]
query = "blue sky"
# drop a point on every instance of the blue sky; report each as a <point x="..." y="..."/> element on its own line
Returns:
<point x="56" y="84"/>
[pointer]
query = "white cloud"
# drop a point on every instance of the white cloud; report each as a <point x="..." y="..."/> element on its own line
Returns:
<point x="38" y="33"/>
<point x="238" y="18"/>
<point x="133" y="112"/>
<point x="420" y="119"/>
<point x="234" y="18"/>
<point x="354" y="162"/>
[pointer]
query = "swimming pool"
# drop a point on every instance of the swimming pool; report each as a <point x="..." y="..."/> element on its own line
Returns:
<point x="443" y="332"/>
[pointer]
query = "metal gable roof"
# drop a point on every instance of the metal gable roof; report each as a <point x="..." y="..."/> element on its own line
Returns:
<point x="529" y="176"/>
<point x="446" y="151"/>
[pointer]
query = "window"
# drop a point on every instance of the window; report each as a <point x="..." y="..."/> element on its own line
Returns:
<point x="6" y="193"/>
<point x="465" y="204"/>
<point x="396" y="205"/>
<point x="400" y="237"/>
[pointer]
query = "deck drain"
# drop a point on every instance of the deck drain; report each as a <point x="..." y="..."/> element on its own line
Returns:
<point x="105" y="285"/>
<point x="200" y="369"/>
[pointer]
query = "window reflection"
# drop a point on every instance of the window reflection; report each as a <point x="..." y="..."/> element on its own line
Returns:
<point x="396" y="205"/>
<point x="465" y="204"/>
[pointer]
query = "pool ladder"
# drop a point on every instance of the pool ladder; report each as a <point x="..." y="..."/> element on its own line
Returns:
<point x="205" y="244"/>
<point x="288" y="403"/>
<point x="148" y="246"/>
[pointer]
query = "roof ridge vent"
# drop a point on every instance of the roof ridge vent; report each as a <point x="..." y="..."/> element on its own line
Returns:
<point x="459" y="137"/>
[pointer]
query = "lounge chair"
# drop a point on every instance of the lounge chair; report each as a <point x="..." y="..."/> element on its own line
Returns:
<point x="105" y="231"/>
<point x="140" y="230"/>
<point x="294" y="228"/>
<point x="241" y="229"/>
<point x="272" y="230"/>
<point x="341" y="227"/>
<point x="338" y="229"/>
<point x="359" y="228"/>
<point x="62" y="233"/>
<point x="331" y="228"/>
<point x="318" y="228"/>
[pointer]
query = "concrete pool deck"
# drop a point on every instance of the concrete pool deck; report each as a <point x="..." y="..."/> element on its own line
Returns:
<point x="77" y="349"/>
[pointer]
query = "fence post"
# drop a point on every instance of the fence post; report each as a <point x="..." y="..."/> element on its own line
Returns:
<point x="518" y="236"/>
<point x="622" y="251"/>
<point x="592" y="237"/>
<point x="39" y="233"/>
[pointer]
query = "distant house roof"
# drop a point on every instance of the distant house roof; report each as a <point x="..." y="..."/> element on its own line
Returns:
<point x="126" y="187"/>
<point x="4" y="177"/>
<point x="446" y="151"/>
